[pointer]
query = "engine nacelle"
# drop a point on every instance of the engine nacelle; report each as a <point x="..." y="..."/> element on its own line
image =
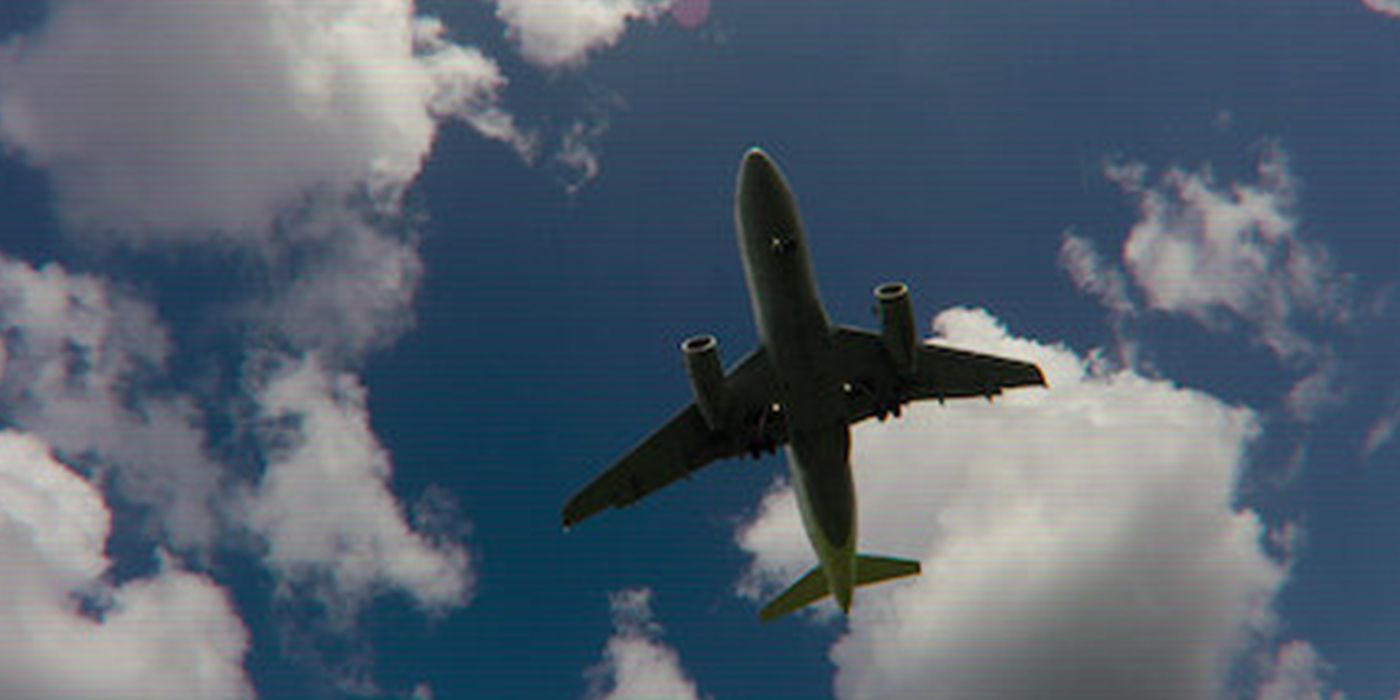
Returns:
<point x="897" y="324"/>
<point x="701" y="355"/>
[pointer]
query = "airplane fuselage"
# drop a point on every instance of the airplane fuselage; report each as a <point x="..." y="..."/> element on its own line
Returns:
<point x="797" y="335"/>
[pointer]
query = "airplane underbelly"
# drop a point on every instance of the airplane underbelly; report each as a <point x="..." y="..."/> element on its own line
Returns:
<point x="821" y="472"/>
<point x="809" y="391"/>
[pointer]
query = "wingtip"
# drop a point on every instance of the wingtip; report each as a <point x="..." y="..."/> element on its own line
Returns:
<point x="1039" y="377"/>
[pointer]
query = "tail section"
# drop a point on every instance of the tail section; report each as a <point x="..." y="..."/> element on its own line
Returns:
<point x="808" y="589"/>
<point x="813" y="587"/>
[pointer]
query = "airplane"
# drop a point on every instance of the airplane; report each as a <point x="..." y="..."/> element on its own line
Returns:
<point x="803" y="387"/>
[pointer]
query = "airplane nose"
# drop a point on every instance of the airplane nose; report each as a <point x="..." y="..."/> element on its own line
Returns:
<point x="759" y="173"/>
<point x="763" y="203"/>
<point x="757" y="164"/>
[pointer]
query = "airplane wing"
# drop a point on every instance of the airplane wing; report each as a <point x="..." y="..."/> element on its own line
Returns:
<point x="878" y="387"/>
<point x="685" y="443"/>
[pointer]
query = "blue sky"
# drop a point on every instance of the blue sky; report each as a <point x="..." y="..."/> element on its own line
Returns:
<point x="315" y="313"/>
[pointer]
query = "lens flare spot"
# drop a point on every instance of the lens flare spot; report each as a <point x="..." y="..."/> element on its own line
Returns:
<point x="690" y="13"/>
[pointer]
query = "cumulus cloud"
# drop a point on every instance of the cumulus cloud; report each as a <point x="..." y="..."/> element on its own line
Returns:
<point x="287" y="125"/>
<point x="286" y="131"/>
<point x="1216" y="253"/>
<point x="636" y="663"/>
<point x="1297" y="673"/>
<point x="1078" y="542"/>
<point x="324" y="508"/>
<point x="1226" y="256"/>
<point x="561" y="33"/>
<point x="342" y="288"/>
<point x="169" y="120"/>
<point x="1385" y="7"/>
<point x="171" y="635"/>
<point x="465" y="84"/>
<point x="78" y="356"/>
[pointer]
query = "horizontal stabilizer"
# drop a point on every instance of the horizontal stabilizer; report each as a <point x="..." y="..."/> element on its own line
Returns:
<point x="872" y="569"/>
<point x="813" y="587"/>
<point x="808" y="589"/>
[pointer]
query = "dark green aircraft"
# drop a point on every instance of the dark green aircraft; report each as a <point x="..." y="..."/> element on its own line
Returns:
<point x="802" y="388"/>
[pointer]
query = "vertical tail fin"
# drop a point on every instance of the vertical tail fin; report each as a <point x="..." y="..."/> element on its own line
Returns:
<point x="813" y="586"/>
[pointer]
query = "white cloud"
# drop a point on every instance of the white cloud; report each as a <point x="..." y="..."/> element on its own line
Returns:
<point x="636" y="664"/>
<point x="170" y="635"/>
<point x="1381" y="431"/>
<point x="1385" y="7"/>
<point x="1227" y="256"/>
<point x="345" y="289"/>
<point x="1319" y="390"/>
<point x="465" y="84"/>
<point x="169" y="120"/>
<point x="1297" y="673"/>
<point x="1098" y="278"/>
<point x="324" y="508"/>
<point x="78" y="355"/>
<point x="1081" y="541"/>
<point x="1094" y="276"/>
<point x="561" y="33"/>
<point x="1217" y="253"/>
<point x="288" y="128"/>
<point x="579" y="153"/>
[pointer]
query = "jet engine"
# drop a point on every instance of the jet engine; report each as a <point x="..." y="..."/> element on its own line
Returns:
<point x="897" y="324"/>
<point x="701" y="355"/>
